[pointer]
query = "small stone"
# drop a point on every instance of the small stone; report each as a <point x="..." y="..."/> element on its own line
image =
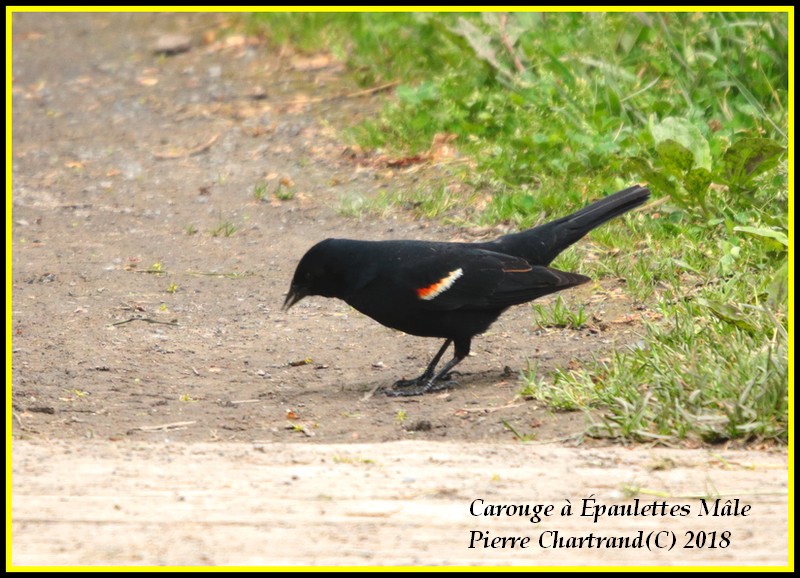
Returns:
<point x="171" y="44"/>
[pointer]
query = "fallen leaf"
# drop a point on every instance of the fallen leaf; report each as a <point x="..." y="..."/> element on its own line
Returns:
<point x="312" y="62"/>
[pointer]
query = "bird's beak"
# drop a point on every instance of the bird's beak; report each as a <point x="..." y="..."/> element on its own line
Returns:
<point x="294" y="295"/>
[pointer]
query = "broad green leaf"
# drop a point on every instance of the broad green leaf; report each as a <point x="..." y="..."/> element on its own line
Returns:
<point x="779" y="236"/>
<point x="687" y="134"/>
<point x="697" y="181"/>
<point x="748" y="158"/>
<point x="658" y="181"/>
<point x="730" y="313"/>
<point x="675" y="157"/>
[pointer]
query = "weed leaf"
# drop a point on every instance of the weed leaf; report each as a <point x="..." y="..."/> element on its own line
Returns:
<point x="748" y="158"/>
<point x="687" y="134"/>
<point x="675" y="157"/>
<point x="779" y="236"/>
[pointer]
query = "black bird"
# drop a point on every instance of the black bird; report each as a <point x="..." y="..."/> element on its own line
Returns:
<point x="449" y="290"/>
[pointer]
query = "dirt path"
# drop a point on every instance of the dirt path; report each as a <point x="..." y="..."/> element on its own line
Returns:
<point x="137" y="196"/>
<point x="398" y="503"/>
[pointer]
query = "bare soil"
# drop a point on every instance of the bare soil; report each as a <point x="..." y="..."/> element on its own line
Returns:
<point x="148" y="278"/>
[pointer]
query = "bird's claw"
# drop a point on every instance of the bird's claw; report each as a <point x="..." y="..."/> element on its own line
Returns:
<point x="417" y="382"/>
<point x="420" y="385"/>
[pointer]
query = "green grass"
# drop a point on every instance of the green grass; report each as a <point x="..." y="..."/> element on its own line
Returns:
<point x="224" y="228"/>
<point x="559" y="314"/>
<point x="553" y="110"/>
<point x="284" y="192"/>
<point x="430" y="203"/>
<point x="260" y="192"/>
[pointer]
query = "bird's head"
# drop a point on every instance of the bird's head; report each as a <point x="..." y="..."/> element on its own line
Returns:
<point x="322" y="271"/>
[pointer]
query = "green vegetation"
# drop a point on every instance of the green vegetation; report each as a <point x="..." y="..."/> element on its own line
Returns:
<point x="555" y="109"/>
<point x="260" y="191"/>
<point x="559" y="315"/>
<point x="224" y="228"/>
<point x="284" y="192"/>
<point x="429" y="203"/>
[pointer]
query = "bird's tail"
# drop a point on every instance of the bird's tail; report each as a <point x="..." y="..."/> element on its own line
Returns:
<point x="542" y="244"/>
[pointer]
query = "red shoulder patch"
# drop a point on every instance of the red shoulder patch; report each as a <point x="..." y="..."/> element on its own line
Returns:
<point x="442" y="285"/>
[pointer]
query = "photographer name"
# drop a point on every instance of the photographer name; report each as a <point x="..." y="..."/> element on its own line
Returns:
<point x="591" y="508"/>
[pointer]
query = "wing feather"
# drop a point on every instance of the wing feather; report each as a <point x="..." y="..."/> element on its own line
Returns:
<point x="481" y="279"/>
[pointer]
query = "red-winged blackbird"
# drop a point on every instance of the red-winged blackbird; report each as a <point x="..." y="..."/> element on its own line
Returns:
<point x="449" y="290"/>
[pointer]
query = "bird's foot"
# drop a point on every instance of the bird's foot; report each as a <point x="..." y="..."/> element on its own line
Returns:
<point x="416" y="382"/>
<point x="422" y="384"/>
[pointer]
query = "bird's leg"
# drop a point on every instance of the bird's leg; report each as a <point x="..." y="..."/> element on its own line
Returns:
<point x="429" y="372"/>
<point x="425" y="384"/>
<point x="439" y="382"/>
<point x="429" y="382"/>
